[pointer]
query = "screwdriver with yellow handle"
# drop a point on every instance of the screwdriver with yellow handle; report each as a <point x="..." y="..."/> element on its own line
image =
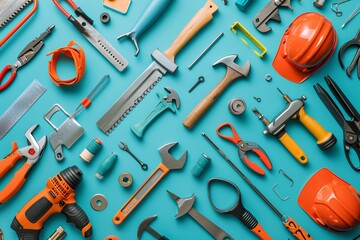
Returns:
<point x="295" y="110"/>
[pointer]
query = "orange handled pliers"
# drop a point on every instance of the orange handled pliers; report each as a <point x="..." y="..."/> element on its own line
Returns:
<point x="23" y="58"/>
<point x="32" y="153"/>
<point x="245" y="147"/>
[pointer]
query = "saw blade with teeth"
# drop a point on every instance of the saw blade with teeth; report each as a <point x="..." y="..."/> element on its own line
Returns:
<point x="10" y="8"/>
<point x="131" y="98"/>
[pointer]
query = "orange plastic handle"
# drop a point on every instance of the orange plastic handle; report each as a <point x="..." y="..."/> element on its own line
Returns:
<point x="234" y="139"/>
<point x="7" y="163"/>
<point x="15" y="184"/>
<point x="10" y="80"/>
<point x="260" y="232"/>
<point x="253" y="166"/>
<point x="296" y="230"/>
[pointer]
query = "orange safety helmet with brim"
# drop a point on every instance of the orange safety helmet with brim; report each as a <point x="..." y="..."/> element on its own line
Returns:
<point x="306" y="45"/>
<point x="330" y="201"/>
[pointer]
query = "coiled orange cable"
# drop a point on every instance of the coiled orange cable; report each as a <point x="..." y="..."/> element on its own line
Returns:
<point x="78" y="56"/>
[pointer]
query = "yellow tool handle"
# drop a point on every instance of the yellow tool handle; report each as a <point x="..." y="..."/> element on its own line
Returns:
<point x="200" y="20"/>
<point x="296" y="229"/>
<point x="314" y="127"/>
<point x="293" y="148"/>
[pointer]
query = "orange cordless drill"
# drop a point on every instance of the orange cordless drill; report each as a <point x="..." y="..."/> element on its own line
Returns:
<point x="57" y="197"/>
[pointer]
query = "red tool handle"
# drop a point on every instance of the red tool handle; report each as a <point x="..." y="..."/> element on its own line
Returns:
<point x="234" y="139"/>
<point x="15" y="184"/>
<point x="70" y="2"/>
<point x="253" y="166"/>
<point x="260" y="232"/>
<point x="263" y="157"/>
<point x="10" y="80"/>
<point x="9" y="161"/>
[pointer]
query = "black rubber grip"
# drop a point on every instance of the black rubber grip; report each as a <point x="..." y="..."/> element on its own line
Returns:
<point x="24" y="234"/>
<point x="76" y="24"/>
<point x="75" y="214"/>
<point x="80" y="12"/>
<point x="249" y="220"/>
<point x="38" y="209"/>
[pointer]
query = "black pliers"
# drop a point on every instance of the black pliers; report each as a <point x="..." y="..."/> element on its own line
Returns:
<point x="356" y="60"/>
<point x="351" y="127"/>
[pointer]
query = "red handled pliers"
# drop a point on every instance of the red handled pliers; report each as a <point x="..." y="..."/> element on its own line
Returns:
<point x="24" y="57"/>
<point x="32" y="153"/>
<point x="245" y="147"/>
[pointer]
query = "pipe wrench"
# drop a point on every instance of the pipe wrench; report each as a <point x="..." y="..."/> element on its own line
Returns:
<point x="270" y="12"/>
<point x="32" y="153"/>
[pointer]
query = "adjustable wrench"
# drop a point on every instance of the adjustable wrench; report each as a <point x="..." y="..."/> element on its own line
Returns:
<point x="185" y="206"/>
<point x="168" y="163"/>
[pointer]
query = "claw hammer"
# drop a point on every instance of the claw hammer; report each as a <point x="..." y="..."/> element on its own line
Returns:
<point x="233" y="72"/>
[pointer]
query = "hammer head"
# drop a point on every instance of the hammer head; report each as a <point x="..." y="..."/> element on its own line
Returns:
<point x="229" y="62"/>
<point x="169" y="161"/>
<point x="172" y="97"/>
<point x="144" y="225"/>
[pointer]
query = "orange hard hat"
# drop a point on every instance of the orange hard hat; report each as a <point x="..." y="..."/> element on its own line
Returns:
<point x="306" y="45"/>
<point x="330" y="201"/>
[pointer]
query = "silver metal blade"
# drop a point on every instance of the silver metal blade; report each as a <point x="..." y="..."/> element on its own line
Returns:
<point x="102" y="45"/>
<point x="10" y="8"/>
<point x="131" y="97"/>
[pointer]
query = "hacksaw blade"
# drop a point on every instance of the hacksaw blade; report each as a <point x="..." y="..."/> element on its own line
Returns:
<point x="20" y="106"/>
<point x="10" y="8"/>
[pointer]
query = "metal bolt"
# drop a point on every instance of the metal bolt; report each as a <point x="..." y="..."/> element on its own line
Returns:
<point x="200" y="80"/>
<point x="258" y="99"/>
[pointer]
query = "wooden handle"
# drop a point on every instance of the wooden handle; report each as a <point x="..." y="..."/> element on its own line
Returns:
<point x="200" y="20"/>
<point x="205" y="104"/>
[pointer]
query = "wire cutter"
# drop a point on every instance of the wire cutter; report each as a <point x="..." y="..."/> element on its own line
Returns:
<point x="24" y="57"/>
<point x="356" y="60"/>
<point x="351" y="128"/>
<point x="245" y="147"/>
<point x="32" y="153"/>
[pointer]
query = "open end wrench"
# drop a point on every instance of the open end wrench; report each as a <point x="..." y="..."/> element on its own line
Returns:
<point x="185" y="206"/>
<point x="168" y="163"/>
<point x="124" y="146"/>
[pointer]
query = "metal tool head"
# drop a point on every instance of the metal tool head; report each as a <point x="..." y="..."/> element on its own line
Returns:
<point x="184" y="204"/>
<point x="168" y="160"/>
<point x="172" y="97"/>
<point x="229" y="62"/>
<point x="132" y="35"/>
<point x="145" y="226"/>
<point x="35" y="149"/>
<point x="30" y="51"/>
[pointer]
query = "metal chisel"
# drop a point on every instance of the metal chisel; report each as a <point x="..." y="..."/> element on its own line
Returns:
<point x="163" y="63"/>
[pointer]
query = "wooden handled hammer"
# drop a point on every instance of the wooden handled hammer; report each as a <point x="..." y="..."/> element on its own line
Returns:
<point x="233" y="72"/>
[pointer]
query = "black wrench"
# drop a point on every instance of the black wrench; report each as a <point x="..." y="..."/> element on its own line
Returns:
<point x="124" y="146"/>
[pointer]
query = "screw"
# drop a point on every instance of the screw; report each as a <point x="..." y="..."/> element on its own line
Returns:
<point x="200" y="80"/>
<point x="258" y="99"/>
<point x="124" y="147"/>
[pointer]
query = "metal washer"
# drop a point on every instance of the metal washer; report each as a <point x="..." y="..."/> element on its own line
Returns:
<point x="237" y="106"/>
<point x="98" y="202"/>
<point x="125" y="179"/>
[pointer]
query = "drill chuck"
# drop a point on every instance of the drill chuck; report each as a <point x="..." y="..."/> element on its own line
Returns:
<point x="72" y="176"/>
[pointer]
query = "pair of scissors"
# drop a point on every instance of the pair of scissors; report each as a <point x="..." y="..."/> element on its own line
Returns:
<point x="356" y="60"/>
<point x="238" y="210"/>
<point x="244" y="147"/>
<point x="351" y="128"/>
<point x="23" y="58"/>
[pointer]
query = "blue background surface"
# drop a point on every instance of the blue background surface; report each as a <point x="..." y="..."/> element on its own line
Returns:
<point x="168" y="127"/>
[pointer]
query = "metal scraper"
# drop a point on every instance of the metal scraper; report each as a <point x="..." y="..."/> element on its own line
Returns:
<point x="10" y="8"/>
<point x="21" y="105"/>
